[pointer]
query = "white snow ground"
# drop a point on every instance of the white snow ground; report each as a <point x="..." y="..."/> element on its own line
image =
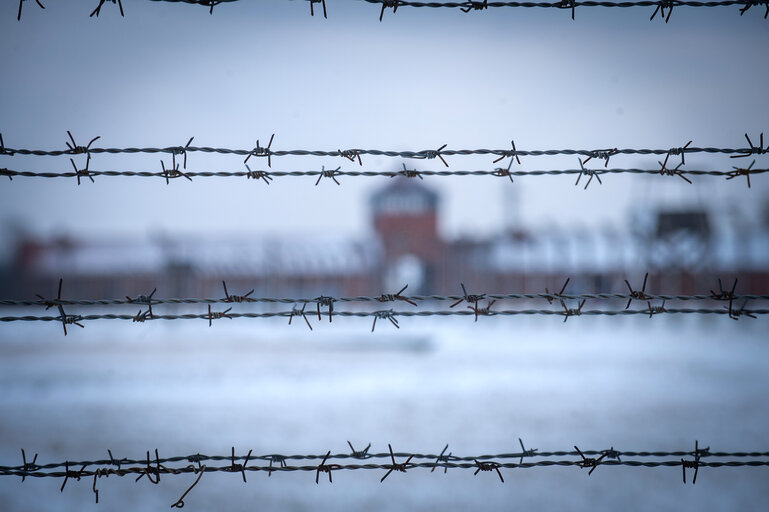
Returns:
<point x="631" y="383"/>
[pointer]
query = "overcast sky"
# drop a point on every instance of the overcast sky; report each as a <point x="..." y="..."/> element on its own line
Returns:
<point x="418" y="80"/>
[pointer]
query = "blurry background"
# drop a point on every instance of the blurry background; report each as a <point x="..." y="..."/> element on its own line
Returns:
<point x="420" y="79"/>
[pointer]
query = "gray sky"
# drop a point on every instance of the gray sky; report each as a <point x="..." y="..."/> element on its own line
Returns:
<point x="420" y="79"/>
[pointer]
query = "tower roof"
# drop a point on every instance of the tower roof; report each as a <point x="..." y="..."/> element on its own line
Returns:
<point x="406" y="195"/>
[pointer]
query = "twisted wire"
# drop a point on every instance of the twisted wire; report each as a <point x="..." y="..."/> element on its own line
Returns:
<point x="422" y="154"/>
<point x="364" y="298"/>
<point x="384" y="174"/>
<point x="375" y="314"/>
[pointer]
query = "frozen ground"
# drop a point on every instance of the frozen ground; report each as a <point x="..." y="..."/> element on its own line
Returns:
<point x="631" y="383"/>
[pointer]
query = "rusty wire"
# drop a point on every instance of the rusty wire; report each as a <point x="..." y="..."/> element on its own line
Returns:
<point x="193" y="464"/>
<point x="481" y="5"/>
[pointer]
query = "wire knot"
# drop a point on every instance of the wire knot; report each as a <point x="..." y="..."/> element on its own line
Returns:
<point x="173" y="171"/>
<point x="350" y="154"/>
<point x="388" y="3"/>
<point x="216" y="315"/>
<point x="602" y="154"/>
<point x="470" y="299"/>
<point x="402" y="467"/>
<point x="388" y="315"/>
<point x="236" y="298"/>
<point x="566" y="4"/>
<point x="363" y="454"/>
<point x="83" y="173"/>
<point x="587" y="172"/>
<point x="661" y="6"/>
<point x="488" y="466"/>
<point x="260" y="151"/>
<point x="72" y="474"/>
<point x="475" y="6"/>
<point x="182" y="150"/>
<point x="28" y="466"/>
<point x="694" y="464"/>
<point x="409" y="173"/>
<point x="327" y="302"/>
<point x="328" y="174"/>
<point x="736" y="314"/>
<point x="430" y="154"/>
<point x="295" y="311"/>
<point x="656" y="310"/>
<point x="571" y="312"/>
<point x="74" y="149"/>
<point x="277" y="459"/>
<point x="589" y="462"/>
<point x="326" y="468"/>
<point x="442" y="458"/>
<point x="482" y="311"/>
<point x="739" y="171"/>
<point x="258" y="175"/>
<point x="525" y="452"/>
<point x="241" y="468"/>
<point x="392" y="297"/>
<point x="7" y="172"/>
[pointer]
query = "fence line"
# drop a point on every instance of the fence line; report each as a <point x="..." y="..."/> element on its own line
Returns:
<point x="475" y="5"/>
<point x="193" y="464"/>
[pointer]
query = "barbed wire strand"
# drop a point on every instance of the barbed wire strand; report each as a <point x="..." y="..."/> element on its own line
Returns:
<point x="475" y="5"/>
<point x="193" y="464"/>
<point x="265" y="175"/>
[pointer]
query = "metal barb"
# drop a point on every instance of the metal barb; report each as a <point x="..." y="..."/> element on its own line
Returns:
<point x="408" y="173"/>
<point x="488" y="466"/>
<point x="182" y="150"/>
<point x="260" y="151"/>
<point x="351" y="155"/>
<point x="328" y="174"/>
<point x="637" y="294"/>
<point x="587" y="172"/>
<point x="312" y="13"/>
<point x="216" y="315"/>
<point x="661" y="6"/>
<point x="482" y="311"/>
<point x="694" y="464"/>
<point x="173" y="171"/>
<point x="525" y="452"/>
<point x="395" y="466"/>
<point x="4" y="151"/>
<point x="385" y="4"/>
<point x="656" y="310"/>
<point x="149" y="470"/>
<point x="96" y="12"/>
<point x="71" y="474"/>
<point x="611" y="453"/>
<point x="28" y="466"/>
<point x="363" y="454"/>
<point x="571" y="312"/>
<point x="603" y="154"/>
<point x="278" y="459"/>
<point x="551" y="298"/>
<point x="566" y="4"/>
<point x="326" y="468"/>
<point x="442" y="458"/>
<point x="725" y="295"/>
<point x="392" y="297"/>
<point x="673" y="172"/>
<point x="470" y="299"/>
<point x="143" y="299"/>
<point x="750" y="4"/>
<point x="513" y="156"/>
<point x="735" y="315"/>
<point x="589" y="462"/>
<point x="738" y="171"/>
<point x="258" y="175"/>
<point x="389" y="315"/>
<point x="236" y="298"/>
<point x="18" y="16"/>
<point x="754" y="150"/>
<point x="433" y="153"/>
<point x="475" y="6"/>
<point x="234" y="468"/>
<point x="74" y="149"/>
<point x="328" y="302"/>
<point x="83" y="172"/>
<point x="299" y="312"/>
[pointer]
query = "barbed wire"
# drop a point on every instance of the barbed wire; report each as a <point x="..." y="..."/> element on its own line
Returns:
<point x="269" y="175"/>
<point x="475" y="5"/>
<point x="194" y="464"/>
<point x="426" y="154"/>
<point x="150" y="300"/>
